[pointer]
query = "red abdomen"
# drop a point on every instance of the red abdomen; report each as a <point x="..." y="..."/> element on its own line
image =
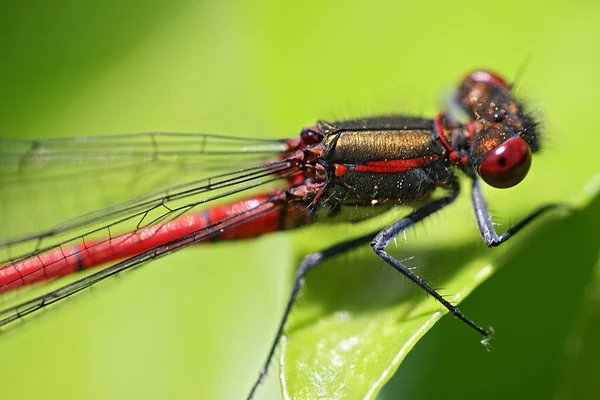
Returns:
<point x="243" y="219"/>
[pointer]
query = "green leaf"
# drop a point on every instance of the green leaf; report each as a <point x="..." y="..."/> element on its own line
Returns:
<point x="534" y="302"/>
<point x="356" y="322"/>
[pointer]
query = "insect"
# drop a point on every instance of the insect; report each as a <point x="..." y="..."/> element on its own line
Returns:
<point x="339" y="171"/>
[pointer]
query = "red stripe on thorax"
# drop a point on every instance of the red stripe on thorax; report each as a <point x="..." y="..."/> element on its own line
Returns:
<point x="392" y="166"/>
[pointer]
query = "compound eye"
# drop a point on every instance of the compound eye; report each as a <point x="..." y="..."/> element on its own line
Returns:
<point x="506" y="165"/>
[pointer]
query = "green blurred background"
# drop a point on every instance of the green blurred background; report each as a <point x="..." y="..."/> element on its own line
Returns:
<point x="198" y="323"/>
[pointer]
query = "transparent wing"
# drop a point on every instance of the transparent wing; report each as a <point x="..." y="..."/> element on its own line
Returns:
<point x="48" y="191"/>
<point x="45" y="184"/>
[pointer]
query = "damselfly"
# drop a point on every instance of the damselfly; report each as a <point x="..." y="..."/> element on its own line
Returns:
<point x="339" y="171"/>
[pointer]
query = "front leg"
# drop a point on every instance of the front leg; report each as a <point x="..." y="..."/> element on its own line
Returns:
<point x="484" y="221"/>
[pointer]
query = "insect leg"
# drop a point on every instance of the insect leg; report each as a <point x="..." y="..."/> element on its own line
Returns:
<point x="484" y="221"/>
<point x="384" y="237"/>
<point x="308" y="263"/>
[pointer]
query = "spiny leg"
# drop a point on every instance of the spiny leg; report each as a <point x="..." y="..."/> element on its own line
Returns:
<point x="381" y="241"/>
<point x="384" y="237"/>
<point x="308" y="263"/>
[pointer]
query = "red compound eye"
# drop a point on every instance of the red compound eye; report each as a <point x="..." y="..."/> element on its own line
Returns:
<point x="507" y="164"/>
<point x="487" y="77"/>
